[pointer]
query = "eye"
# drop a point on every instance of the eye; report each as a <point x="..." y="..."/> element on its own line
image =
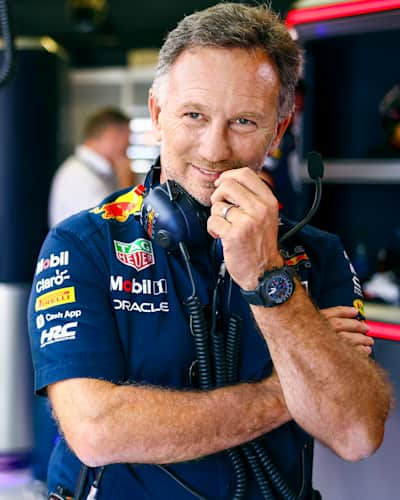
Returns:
<point x="244" y="121"/>
<point x="243" y="125"/>
<point x="193" y="115"/>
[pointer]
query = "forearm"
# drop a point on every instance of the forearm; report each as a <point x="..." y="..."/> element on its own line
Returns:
<point x="334" y="392"/>
<point x="153" y="425"/>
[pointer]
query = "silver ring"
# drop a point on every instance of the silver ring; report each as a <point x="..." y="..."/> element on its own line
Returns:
<point x="225" y="210"/>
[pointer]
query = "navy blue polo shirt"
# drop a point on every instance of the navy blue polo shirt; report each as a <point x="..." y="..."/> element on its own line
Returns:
<point x="107" y="303"/>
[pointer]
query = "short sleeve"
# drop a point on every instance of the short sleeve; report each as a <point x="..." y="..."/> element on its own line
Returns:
<point x="71" y="322"/>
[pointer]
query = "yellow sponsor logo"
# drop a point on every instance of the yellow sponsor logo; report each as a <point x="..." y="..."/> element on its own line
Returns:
<point x="55" y="298"/>
<point x="359" y="305"/>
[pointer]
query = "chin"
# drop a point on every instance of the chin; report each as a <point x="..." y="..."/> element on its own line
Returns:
<point x="203" y="199"/>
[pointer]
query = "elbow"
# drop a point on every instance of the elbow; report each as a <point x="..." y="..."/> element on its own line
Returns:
<point x="364" y="432"/>
<point x="360" y="442"/>
<point x="88" y="444"/>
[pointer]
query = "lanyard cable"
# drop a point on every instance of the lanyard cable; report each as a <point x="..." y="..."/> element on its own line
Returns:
<point x="82" y="479"/>
<point x="94" y="489"/>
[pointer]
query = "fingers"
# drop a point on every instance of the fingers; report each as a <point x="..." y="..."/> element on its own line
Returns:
<point x="243" y="188"/>
<point x="343" y="321"/>
<point x="227" y="219"/>
<point x="358" y="340"/>
<point x="339" y="312"/>
<point x="349" y="325"/>
<point x="244" y="214"/>
<point x="343" y="318"/>
<point x="250" y="202"/>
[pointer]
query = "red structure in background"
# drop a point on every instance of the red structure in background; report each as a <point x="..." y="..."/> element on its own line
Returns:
<point x="380" y="330"/>
<point x="338" y="11"/>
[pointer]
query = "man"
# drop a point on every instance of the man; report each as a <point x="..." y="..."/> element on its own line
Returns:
<point x="154" y="355"/>
<point x="98" y="167"/>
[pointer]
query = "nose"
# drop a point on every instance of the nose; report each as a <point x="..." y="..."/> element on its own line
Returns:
<point x="214" y="143"/>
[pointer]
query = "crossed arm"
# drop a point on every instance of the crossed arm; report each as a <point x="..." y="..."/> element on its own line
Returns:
<point x="323" y="379"/>
<point x="104" y="423"/>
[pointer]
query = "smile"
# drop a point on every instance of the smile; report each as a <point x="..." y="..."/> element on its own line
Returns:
<point x="210" y="174"/>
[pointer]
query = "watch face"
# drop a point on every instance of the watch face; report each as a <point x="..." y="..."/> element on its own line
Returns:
<point x="279" y="288"/>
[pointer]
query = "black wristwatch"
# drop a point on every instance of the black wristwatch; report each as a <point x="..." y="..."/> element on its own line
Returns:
<point x="275" y="287"/>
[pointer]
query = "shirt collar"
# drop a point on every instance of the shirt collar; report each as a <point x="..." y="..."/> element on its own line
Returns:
<point x="93" y="160"/>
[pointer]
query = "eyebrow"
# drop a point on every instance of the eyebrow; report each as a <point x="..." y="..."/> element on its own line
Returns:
<point x="247" y="114"/>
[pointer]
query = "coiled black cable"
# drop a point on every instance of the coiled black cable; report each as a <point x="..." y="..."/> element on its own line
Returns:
<point x="199" y="327"/>
<point x="206" y="379"/>
<point x="217" y="340"/>
<point x="7" y="68"/>
<point x="257" y="470"/>
<point x="201" y="341"/>
<point x="232" y="367"/>
<point x="273" y="472"/>
<point x="220" y="370"/>
<point x="233" y="348"/>
<point x="225" y="358"/>
<point x="239" y="470"/>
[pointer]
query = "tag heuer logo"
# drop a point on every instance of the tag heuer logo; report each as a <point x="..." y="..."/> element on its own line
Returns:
<point x="138" y="254"/>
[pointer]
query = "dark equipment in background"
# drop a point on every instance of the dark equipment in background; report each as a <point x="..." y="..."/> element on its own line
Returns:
<point x="87" y="16"/>
<point x="8" y="65"/>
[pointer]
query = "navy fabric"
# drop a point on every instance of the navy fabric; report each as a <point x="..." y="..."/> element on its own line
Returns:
<point x="107" y="303"/>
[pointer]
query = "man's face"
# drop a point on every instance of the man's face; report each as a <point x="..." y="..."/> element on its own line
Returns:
<point x="118" y="141"/>
<point x="217" y="110"/>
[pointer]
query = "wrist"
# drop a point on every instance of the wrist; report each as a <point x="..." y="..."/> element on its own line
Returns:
<point x="252" y="282"/>
<point x="274" y="287"/>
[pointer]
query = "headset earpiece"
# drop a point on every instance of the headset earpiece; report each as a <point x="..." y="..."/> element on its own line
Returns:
<point x="171" y="216"/>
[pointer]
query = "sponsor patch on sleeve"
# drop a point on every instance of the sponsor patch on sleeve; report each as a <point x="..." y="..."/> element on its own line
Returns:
<point x="55" y="298"/>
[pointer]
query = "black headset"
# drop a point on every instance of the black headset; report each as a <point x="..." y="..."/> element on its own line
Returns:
<point x="170" y="215"/>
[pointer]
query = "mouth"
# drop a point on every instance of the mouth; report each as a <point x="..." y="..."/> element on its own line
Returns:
<point x="211" y="175"/>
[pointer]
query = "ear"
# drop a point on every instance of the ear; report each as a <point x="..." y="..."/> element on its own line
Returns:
<point x="155" y="110"/>
<point x="280" y="130"/>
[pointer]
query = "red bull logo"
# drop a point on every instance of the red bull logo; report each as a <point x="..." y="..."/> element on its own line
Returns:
<point x="122" y="207"/>
<point x="295" y="259"/>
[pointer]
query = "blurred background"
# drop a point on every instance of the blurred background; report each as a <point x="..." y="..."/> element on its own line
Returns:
<point x="68" y="58"/>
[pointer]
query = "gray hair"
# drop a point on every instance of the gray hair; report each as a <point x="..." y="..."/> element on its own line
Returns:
<point x="236" y="25"/>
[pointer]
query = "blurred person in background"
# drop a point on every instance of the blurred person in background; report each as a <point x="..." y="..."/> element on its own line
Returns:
<point x="389" y="111"/>
<point x="98" y="167"/>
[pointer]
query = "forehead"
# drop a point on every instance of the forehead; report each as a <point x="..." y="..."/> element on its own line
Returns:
<point x="236" y="72"/>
